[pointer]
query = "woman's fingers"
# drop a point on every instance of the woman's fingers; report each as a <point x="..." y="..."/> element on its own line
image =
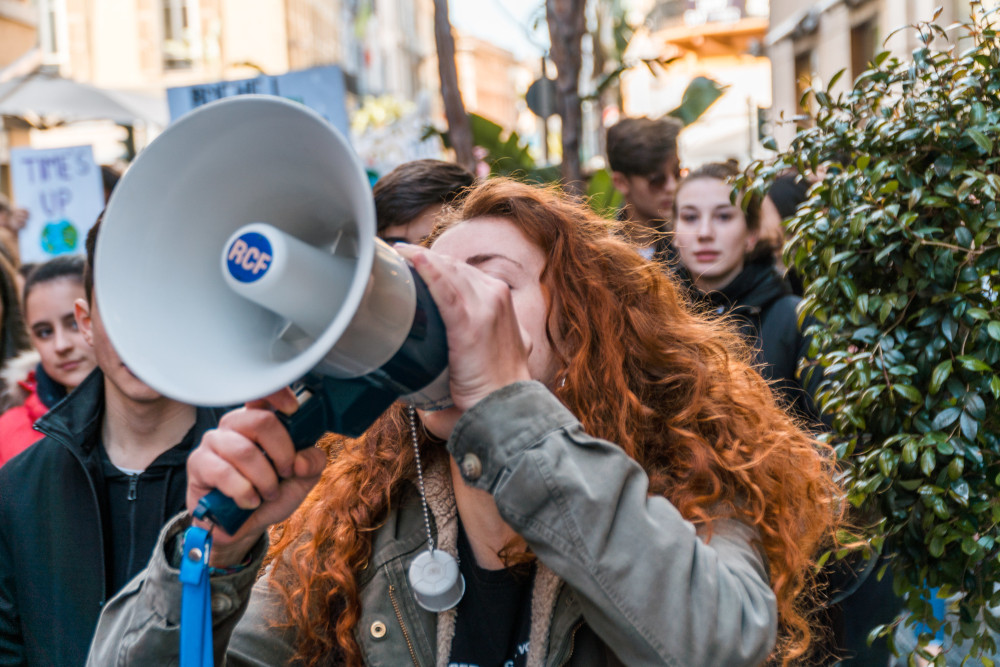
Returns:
<point x="486" y="347"/>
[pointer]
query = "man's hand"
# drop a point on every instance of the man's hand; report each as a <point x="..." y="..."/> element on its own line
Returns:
<point x="251" y="459"/>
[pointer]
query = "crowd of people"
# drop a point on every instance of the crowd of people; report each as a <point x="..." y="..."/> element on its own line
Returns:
<point x="629" y="473"/>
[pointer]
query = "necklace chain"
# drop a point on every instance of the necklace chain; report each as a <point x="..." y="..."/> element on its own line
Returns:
<point x="420" y="477"/>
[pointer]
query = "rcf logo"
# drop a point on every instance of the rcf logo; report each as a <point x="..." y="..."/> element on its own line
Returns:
<point x="249" y="257"/>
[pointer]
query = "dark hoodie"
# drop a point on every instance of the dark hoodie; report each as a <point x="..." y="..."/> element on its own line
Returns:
<point x="138" y="505"/>
<point x="69" y="535"/>
<point x="765" y="306"/>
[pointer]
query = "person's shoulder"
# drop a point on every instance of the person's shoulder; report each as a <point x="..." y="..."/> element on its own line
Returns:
<point x="788" y="302"/>
<point x="784" y="307"/>
<point x="11" y="418"/>
<point x="16" y="428"/>
<point x="35" y="462"/>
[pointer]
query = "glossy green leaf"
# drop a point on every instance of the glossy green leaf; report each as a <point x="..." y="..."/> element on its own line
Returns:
<point x="908" y="392"/>
<point x="970" y="426"/>
<point x="927" y="462"/>
<point x="963" y="236"/>
<point x="972" y="364"/>
<point x="946" y="418"/>
<point x="936" y="547"/>
<point x="984" y="142"/>
<point x="993" y="330"/>
<point x="941" y="373"/>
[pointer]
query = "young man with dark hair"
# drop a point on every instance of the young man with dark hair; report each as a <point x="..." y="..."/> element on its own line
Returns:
<point x="81" y="509"/>
<point x="409" y="198"/>
<point x="642" y="156"/>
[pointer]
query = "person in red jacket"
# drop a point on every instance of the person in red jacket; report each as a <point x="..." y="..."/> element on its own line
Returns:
<point x="64" y="358"/>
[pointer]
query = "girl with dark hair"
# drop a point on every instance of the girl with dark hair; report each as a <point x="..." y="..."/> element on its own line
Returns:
<point x="731" y="269"/>
<point x="35" y="381"/>
<point x="618" y="485"/>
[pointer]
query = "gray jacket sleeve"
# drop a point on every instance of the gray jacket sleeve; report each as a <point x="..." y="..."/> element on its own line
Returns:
<point x="650" y="587"/>
<point x="141" y="624"/>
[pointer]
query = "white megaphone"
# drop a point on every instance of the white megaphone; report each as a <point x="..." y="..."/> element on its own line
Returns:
<point x="238" y="256"/>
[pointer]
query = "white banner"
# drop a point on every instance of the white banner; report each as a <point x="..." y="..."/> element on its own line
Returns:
<point x="64" y="194"/>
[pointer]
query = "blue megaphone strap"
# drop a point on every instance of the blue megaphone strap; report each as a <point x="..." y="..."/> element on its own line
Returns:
<point x="196" y="599"/>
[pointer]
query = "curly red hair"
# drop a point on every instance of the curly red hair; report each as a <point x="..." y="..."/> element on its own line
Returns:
<point x="642" y="369"/>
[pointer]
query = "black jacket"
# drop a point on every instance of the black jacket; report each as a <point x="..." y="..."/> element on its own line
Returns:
<point x="764" y="305"/>
<point x="55" y="553"/>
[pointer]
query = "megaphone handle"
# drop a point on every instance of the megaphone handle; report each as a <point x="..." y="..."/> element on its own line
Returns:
<point x="305" y="426"/>
<point x="345" y="406"/>
<point x="221" y="510"/>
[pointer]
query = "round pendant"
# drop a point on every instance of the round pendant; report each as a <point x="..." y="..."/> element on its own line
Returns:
<point x="437" y="584"/>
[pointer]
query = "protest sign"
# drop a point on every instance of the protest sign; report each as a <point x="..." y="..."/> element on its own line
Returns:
<point x="62" y="190"/>
<point x="319" y="88"/>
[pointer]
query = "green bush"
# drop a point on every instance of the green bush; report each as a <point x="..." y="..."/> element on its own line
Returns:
<point x="898" y="245"/>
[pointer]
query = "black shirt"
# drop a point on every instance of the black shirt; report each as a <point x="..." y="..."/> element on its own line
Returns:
<point x="493" y="622"/>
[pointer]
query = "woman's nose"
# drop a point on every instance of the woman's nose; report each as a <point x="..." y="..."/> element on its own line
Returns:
<point x="63" y="340"/>
<point x="705" y="229"/>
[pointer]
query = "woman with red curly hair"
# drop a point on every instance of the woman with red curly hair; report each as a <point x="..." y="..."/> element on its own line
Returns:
<point x="618" y="484"/>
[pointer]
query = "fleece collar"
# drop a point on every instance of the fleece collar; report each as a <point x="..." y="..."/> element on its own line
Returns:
<point x="545" y="590"/>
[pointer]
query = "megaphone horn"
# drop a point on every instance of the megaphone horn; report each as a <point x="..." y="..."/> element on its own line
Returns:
<point x="238" y="256"/>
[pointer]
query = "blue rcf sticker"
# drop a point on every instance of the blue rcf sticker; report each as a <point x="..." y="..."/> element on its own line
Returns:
<point x="249" y="257"/>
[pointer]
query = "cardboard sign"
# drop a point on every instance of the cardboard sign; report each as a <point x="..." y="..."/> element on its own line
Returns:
<point x="319" y="88"/>
<point x="64" y="194"/>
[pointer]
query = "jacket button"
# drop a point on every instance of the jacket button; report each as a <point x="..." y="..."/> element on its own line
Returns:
<point x="378" y="629"/>
<point x="472" y="467"/>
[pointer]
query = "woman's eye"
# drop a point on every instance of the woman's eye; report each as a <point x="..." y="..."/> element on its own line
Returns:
<point x="501" y="279"/>
<point x="43" y="333"/>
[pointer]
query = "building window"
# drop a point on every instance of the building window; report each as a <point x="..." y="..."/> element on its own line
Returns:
<point x="181" y="46"/>
<point x="863" y="42"/>
<point x="803" y="78"/>
<point x="53" y="30"/>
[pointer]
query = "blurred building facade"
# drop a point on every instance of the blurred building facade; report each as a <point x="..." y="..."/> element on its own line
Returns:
<point x="18" y="54"/>
<point x="18" y="30"/>
<point x="811" y="40"/>
<point x="487" y="77"/>
<point x="386" y="48"/>
<point x="718" y="39"/>
<point x="381" y="45"/>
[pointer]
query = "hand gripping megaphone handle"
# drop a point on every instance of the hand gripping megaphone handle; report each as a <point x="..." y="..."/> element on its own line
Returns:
<point x="346" y="406"/>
